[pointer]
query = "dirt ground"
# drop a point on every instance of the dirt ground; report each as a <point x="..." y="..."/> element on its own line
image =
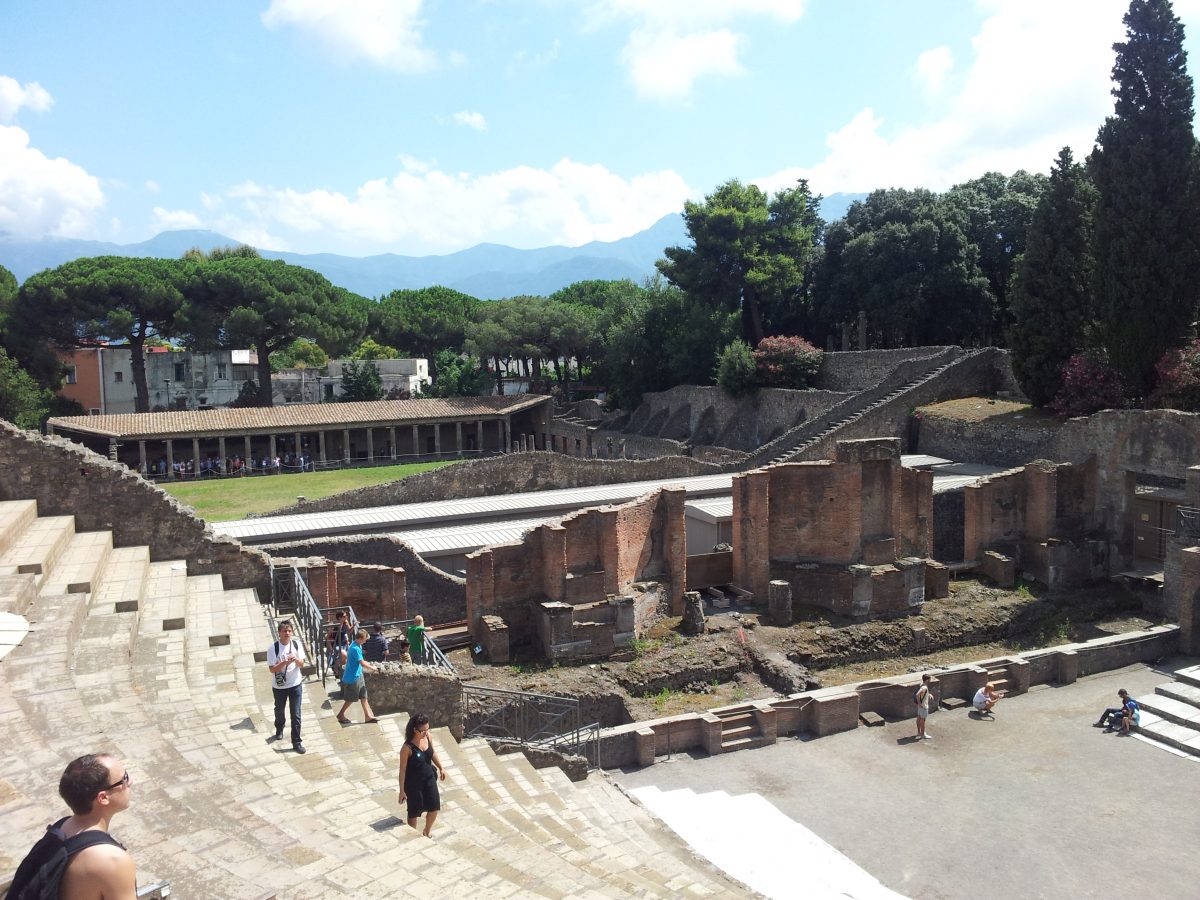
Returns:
<point x="740" y="658"/>
<point x="977" y="409"/>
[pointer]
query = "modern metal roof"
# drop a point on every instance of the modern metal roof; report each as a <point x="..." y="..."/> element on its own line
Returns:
<point x="411" y="516"/>
<point x="294" y="417"/>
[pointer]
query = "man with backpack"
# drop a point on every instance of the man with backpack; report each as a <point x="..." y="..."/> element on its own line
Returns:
<point x="77" y="859"/>
<point x="285" y="658"/>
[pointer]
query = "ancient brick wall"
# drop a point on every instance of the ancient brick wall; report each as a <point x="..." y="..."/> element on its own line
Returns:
<point x="511" y="474"/>
<point x="429" y="592"/>
<point x="435" y="693"/>
<point x="604" y="551"/>
<point x="859" y="370"/>
<point x="375" y="592"/>
<point x="1009" y="443"/>
<point x="66" y="479"/>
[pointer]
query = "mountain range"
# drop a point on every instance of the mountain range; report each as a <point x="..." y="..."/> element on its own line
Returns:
<point x="487" y="271"/>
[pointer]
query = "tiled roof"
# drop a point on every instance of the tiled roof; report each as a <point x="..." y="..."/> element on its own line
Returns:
<point x="294" y="417"/>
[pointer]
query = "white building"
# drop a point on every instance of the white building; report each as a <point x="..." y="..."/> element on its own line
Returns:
<point x="320" y="385"/>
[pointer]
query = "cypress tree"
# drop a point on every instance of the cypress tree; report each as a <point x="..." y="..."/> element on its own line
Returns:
<point x="1144" y="168"/>
<point x="1051" y="300"/>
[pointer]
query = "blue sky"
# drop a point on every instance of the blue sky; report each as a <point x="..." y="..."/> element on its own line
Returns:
<point x="428" y="126"/>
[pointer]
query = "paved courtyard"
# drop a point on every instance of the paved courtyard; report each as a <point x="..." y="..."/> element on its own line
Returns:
<point x="1035" y="803"/>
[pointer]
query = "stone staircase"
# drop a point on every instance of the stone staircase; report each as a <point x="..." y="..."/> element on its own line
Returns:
<point x="135" y="657"/>
<point x="811" y="438"/>
<point x="1171" y="715"/>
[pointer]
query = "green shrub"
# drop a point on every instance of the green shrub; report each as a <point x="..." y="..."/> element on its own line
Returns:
<point x="786" y="361"/>
<point x="735" y="369"/>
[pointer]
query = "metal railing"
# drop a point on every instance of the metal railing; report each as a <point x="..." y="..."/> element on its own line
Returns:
<point x="543" y="721"/>
<point x="1189" y="522"/>
<point x="289" y="591"/>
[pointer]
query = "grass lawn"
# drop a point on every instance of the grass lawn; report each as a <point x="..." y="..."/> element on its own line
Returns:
<point x="235" y="498"/>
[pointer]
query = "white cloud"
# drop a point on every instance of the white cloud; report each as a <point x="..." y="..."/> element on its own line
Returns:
<point x="426" y="210"/>
<point x="675" y="42"/>
<point x="174" y="219"/>
<point x="471" y="120"/>
<point x="1002" y="116"/>
<point x="932" y="68"/>
<point x="40" y="196"/>
<point x="384" y="32"/>
<point x="152" y="186"/>
<point x="13" y="96"/>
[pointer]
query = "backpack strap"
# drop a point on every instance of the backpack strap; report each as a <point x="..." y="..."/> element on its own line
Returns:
<point x="86" y="839"/>
<point x="277" y="649"/>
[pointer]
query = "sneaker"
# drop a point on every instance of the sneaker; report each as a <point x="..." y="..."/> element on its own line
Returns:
<point x="1097" y="724"/>
<point x="928" y="736"/>
<point x="299" y="748"/>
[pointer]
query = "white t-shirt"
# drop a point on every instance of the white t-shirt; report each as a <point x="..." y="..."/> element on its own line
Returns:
<point x="292" y="674"/>
<point x="981" y="698"/>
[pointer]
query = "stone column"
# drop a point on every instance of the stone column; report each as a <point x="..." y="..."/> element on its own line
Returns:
<point x="416" y="440"/>
<point x="458" y="447"/>
<point x="751" y="532"/>
<point x="346" y="445"/>
<point x="142" y="456"/>
<point x="298" y="449"/>
<point x="221" y="450"/>
<point x="371" y="445"/>
<point x="321" y="444"/>
<point x="246" y="454"/>
<point x="862" y="330"/>
<point x="437" y="437"/>
<point x="196" y="456"/>
<point x="693" y="614"/>
<point x="779" y="601"/>
<point x="479" y="437"/>
<point x="392" y="440"/>
<point x="273" y="451"/>
<point x="507" y="432"/>
<point x="170" y="458"/>
<point x="112" y="449"/>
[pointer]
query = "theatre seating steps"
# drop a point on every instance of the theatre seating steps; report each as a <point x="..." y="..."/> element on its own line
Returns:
<point x="136" y="658"/>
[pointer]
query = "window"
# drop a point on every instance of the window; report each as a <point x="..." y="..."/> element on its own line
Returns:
<point x="221" y="374"/>
<point x="94" y="411"/>
<point x="179" y="372"/>
<point x="118" y="377"/>
<point x="329" y="392"/>
<point x="71" y="375"/>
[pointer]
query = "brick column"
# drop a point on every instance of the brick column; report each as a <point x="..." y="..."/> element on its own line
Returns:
<point x="751" y="532"/>
<point x="675" y="543"/>
<point x="554" y="561"/>
<point x="1189" y="596"/>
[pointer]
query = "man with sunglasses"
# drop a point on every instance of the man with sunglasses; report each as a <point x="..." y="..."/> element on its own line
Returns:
<point x="285" y="657"/>
<point x="96" y="788"/>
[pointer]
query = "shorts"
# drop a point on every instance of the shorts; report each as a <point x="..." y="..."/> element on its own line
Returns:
<point x="355" y="691"/>
<point x="423" y="798"/>
<point x="922" y="712"/>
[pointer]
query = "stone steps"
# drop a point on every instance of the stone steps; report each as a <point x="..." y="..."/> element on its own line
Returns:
<point x="15" y="518"/>
<point x="35" y="550"/>
<point x="1171" y="715"/>
<point x="78" y="567"/>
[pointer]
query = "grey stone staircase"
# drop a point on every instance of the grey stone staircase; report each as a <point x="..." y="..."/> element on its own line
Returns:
<point x="158" y="667"/>
<point x="1171" y="715"/>
<point x="825" y="428"/>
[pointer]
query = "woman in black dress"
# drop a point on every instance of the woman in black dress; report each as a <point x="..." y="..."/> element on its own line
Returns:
<point x="420" y="771"/>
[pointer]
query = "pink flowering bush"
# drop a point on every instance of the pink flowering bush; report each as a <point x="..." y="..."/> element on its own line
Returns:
<point x="1178" y="384"/>
<point x="786" y="362"/>
<point x="1089" y="384"/>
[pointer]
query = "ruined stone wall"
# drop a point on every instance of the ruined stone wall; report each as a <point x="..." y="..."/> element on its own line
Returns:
<point x="1008" y="443"/>
<point x="429" y="592"/>
<point x="68" y="480"/>
<point x="860" y="370"/>
<point x="581" y="558"/>
<point x="436" y="693"/>
<point x="510" y="474"/>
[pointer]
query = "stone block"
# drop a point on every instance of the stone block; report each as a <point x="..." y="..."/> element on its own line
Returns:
<point x="861" y="591"/>
<point x="834" y="713"/>
<point x="710" y="733"/>
<point x="79" y="587"/>
<point x="1000" y="568"/>
<point x="767" y="721"/>
<point x="1019" y="673"/>
<point x="124" y="606"/>
<point x="646" y="743"/>
<point x="218" y="640"/>
<point x="937" y="580"/>
<point x="866" y="449"/>
<point x="871" y="719"/>
<point x="173" y="624"/>
<point x="1066" y="669"/>
<point x="693" y="613"/>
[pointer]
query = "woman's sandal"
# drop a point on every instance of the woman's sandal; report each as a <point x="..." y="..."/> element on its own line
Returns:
<point x="371" y="721"/>
<point x="342" y="721"/>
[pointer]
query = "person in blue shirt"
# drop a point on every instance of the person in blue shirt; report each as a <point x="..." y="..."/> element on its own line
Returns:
<point x="1123" y="716"/>
<point x="354" y="685"/>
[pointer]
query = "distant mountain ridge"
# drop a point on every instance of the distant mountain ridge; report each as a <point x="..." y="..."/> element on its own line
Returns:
<point x="487" y="271"/>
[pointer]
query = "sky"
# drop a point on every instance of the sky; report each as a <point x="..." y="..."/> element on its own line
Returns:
<point x="428" y="126"/>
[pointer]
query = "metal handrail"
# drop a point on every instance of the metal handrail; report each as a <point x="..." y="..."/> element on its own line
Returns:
<point x="544" y="721"/>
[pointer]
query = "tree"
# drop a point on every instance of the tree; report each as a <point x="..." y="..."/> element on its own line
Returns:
<point x="105" y="298"/>
<point x="749" y="252"/>
<point x="904" y="259"/>
<point x="360" y="381"/>
<point x="8" y="297"/>
<point x="424" y="321"/>
<point x="994" y="212"/>
<point x="195" y="254"/>
<point x="23" y="401"/>
<point x="1145" y="170"/>
<point x="1053" y="304"/>
<point x="299" y="354"/>
<point x="457" y="377"/>
<point x="267" y="304"/>
<point x="372" y="349"/>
